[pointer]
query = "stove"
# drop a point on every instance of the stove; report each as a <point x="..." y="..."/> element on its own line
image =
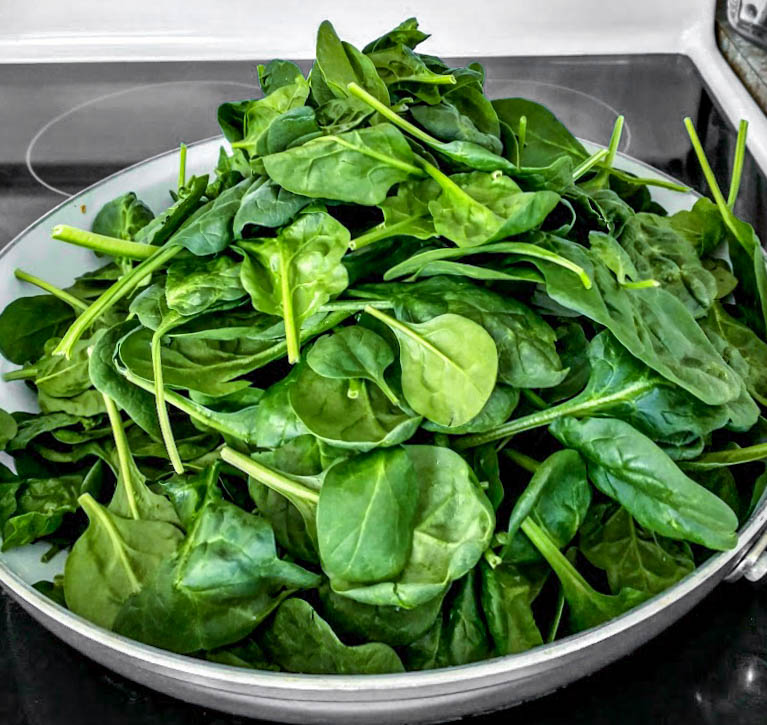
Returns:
<point x="65" y="125"/>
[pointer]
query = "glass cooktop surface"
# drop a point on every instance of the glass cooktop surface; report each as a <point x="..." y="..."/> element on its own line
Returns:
<point x="66" y="126"/>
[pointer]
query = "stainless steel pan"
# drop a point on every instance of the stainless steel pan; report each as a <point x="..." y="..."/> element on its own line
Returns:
<point x="412" y="697"/>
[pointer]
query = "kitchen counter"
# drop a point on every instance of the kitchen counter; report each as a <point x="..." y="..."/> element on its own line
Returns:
<point x="748" y="60"/>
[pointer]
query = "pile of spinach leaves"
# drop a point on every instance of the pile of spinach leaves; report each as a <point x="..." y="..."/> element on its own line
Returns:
<point x="283" y="428"/>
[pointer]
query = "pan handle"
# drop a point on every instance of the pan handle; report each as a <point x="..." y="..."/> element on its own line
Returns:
<point x="753" y="566"/>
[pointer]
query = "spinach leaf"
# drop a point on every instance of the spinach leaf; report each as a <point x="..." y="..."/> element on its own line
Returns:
<point x="507" y="595"/>
<point x="340" y="63"/>
<point x="193" y="286"/>
<point x="660" y="253"/>
<point x="449" y="366"/>
<point x="122" y="217"/>
<point x="498" y="408"/>
<point x="224" y="580"/>
<point x="121" y="554"/>
<point x="546" y="139"/>
<point x="209" y="230"/>
<point x="361" y="423"/>
<point x="631" y="555"/>
<point x="295" y="273"/>
<point x="477" y="207"/>
<point x="27" y="323"/>
<point x="267" y="204"/>
<point x="391" y="625"/>
<point x="353" y="353"/>
<point x="620" y="386"/>
<point x="630" y="468"/>
<point x="407" y="212"/>
<point x="740" y="347"/>
<point x="643" y="320"/>
<point x="299" y="640"/>
<point x="356" y="496"/>
<point x="527" y="357"/>
<point x="355" y="166"/>
<point x="588" y="608"/>
<point x="557" y="498"/>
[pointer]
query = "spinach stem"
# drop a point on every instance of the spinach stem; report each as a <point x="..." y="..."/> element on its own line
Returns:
<point x="384" y="158"/>
<point x="64" y="296"/>
<point x="642" y="284"/>
<point x="615" y="140"/>
<point x="123" y="454"/>
<point x="585" y="166"/>
<point x="355" y="385"/>
<point x="355" y="306"/>
<point x="181" y="166"/>
<point x="122" y="287"/>
<point x="382" y="231"/>
<point x="521" y="138"/>
<point x="724" y="210"/>
<point x="538" y="419"/>
<point x="20" y="374"/>
<point x="737" y="165"/>
<point x="731" y="457"/>
<point x="163" y="419"/>
<point x="274" y="480"/>
<point x="535" y="399"/>
<point x="288" y="316"/>
<point x="660" y="183"/>
<point x="522" y="460"/>
<point x="101" y="243"/>
<point x="556" y="559"/>
<point x="194" y="410"/>
<point x="390" y="115"/>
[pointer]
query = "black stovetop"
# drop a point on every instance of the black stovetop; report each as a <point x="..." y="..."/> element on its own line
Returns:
<point x="64" y="127"/>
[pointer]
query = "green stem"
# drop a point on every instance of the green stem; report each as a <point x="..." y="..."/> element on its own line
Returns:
<point x="534" y="399"/>
<point x="123" y="454"/>
<point x="390" y="115"/>
<point x="122" y="287"/>
<point x="20" y="374"/>
<point x="642" y="284"/>
<point x="355" y="385"/>
<point x="384" y="158"/>
<point x="573" y="407"/>
<point x="382" y="231"/>
<point x="585" y="166"/>
<point x="101" y="243"/>
<point x="274" y="480"/>
<point x="716" y="192"/>
<point x="64" y="296"/>
<point x="560" y="606"/>
<point x="522" y="460"/>
<point x="181" y="166"/>
<point x="521" y="138"/>
<point x="731" y="457"/>
<point x="659" y="183"/>
<point x="388" y="392"/>
<point x="355" y="306"/>
<point x="194" y="410"/>
<point x="166" y="430"/>
<point x="737" y="166"/>
<point x="556" y="559"/>
<point x="288" y="316"/>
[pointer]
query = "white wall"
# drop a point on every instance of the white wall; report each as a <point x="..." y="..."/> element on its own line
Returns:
<point x="43" y="30"/>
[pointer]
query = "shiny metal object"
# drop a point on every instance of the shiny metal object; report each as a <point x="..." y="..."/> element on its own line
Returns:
<point x="749" y="18"/>
<point x="414" y="697"/>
